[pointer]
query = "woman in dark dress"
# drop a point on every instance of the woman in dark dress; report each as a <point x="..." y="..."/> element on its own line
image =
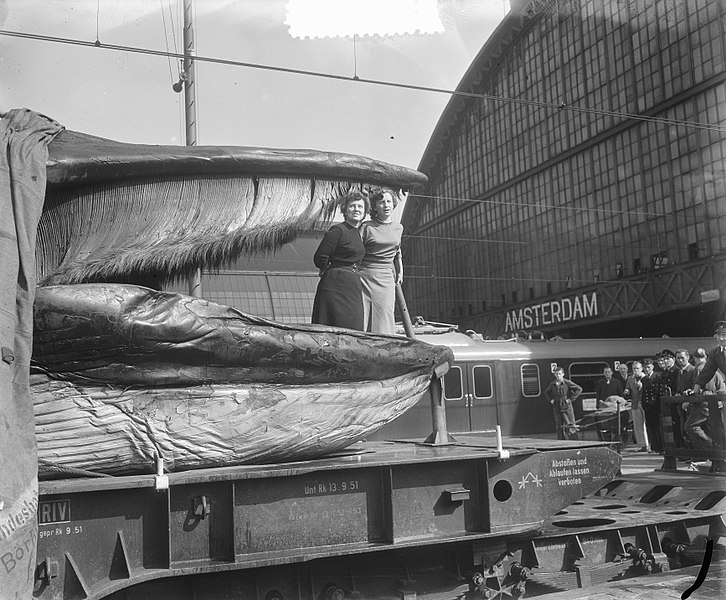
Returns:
<point x="338" y="299"/>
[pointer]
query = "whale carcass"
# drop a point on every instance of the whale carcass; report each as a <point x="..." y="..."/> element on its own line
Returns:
<point x="123" y="374"/>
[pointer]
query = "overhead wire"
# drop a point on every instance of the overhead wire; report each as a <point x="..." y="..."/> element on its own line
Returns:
<point x="98" y="16"/>
<point x="173" y="29"/>
<point x="461" y="239"/>
<point x="541" y="205"/>
<point x="356" y="79"/>
<point x="166" y="40"/>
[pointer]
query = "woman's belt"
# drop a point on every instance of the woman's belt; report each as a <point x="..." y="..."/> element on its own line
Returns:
<point x="353" y="267"/>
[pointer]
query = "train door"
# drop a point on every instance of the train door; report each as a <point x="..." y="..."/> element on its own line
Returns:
<point x="524" y="410"/>
<point x="482" y="398"/>
<point x="456" y="395"/>
<point x="469" y="393"/>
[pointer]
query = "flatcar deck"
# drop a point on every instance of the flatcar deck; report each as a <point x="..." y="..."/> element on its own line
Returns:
<point x="102" y="535"/>
<point x="542" y="515"/>
<point x="360" y="455"/>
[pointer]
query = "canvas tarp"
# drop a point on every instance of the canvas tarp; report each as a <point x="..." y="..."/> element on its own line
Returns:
<point x="25" y="136"/>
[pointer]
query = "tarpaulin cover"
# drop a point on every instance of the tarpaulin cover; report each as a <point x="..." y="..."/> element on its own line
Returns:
<point x="24" y="136"/>
<point x="123" y="374"/>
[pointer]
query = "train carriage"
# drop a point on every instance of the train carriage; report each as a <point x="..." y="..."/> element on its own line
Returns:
<point x="502" y="382"/>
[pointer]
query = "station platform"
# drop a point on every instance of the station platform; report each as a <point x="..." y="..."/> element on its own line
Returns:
<point x="642" y="462"/>
<point x="634" y="462"/>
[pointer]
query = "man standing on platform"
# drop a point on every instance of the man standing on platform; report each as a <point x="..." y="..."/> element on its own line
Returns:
<point x="667" y="360"/>
<point x="697" y="427"/>
<point x="681" y="380"/>
<point x="685" y="372"/>
<point x="561" y="393"/>
<point x="697" y="423"/>
<point x="715" y="360"/>
<point x="607" y="387"/>
<point x="622" y="373"/>
<point x="633" y="391"/>
<point x="650" y="398"/>
<point x="717" y="384"/>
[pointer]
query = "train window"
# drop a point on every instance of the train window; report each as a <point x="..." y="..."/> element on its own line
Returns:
<point x="452" y="384"/>
<point x="530" y="380"/>
<point x="482" y="381"/>
<point x="587" y="374"/>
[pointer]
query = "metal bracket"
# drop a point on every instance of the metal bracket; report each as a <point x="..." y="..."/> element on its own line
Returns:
<point x="161" y="481"/>
<point x="457" y="494"/>
<point x="49" y="569"/>
<point x="202" y="508"/>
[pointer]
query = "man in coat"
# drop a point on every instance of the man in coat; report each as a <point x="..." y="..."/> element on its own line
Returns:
<point x="715" y="360"/>
<point x="561" y="393"/>
<point x="608" y="387"/>
<point x="633" y="391"/>
<point x="697" y="423"/>
<point x="652" y="390"/>
<point x="697" y="427"/>
<point x="682" y="379"/>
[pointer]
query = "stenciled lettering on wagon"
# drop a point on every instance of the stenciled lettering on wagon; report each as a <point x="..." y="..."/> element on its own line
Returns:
<point x="320" y="488"/>
<point x="60" y="530"/>
<point x="591" y="539"/>
<point x="549" y="313"/>
<point x="54" y="511"/>
<point x="569" y="471"/>
<point x="305" y="512"/>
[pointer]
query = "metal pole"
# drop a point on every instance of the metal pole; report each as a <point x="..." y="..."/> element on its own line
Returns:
<point x="190" y="113"/>
<point x="619" y="425"/>
<point x="440" y="434"/>
<point x="405" y="317"/>
<point x="190" y="105"/>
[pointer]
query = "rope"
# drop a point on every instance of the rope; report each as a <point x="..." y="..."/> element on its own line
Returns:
<point x="589" y="425"/>
<point x="55" y="468"/>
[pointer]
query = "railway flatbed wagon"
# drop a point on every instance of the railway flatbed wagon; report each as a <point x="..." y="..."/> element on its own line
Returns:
<point x="381" y="520"/>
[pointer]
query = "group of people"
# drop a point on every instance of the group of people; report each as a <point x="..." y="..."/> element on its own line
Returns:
<point x="669" y="374"/>
<point x="360" y="265"/>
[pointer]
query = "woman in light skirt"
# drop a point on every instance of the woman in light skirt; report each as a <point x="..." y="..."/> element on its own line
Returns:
<point x="382" y="267"/>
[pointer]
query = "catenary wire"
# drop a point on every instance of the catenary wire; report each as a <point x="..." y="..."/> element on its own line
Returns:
<point x="408" y="267"/>
<point x="405" y="86"/>
<point x="166" y="41"/>
<point x="539" y="205"/>
<point x="561" y="106"/>
<point x="422" y="88"/>
<point x="173" y="28"/>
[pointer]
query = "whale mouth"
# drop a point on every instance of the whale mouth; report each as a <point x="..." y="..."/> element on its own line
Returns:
<point x="140" y="213"/>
